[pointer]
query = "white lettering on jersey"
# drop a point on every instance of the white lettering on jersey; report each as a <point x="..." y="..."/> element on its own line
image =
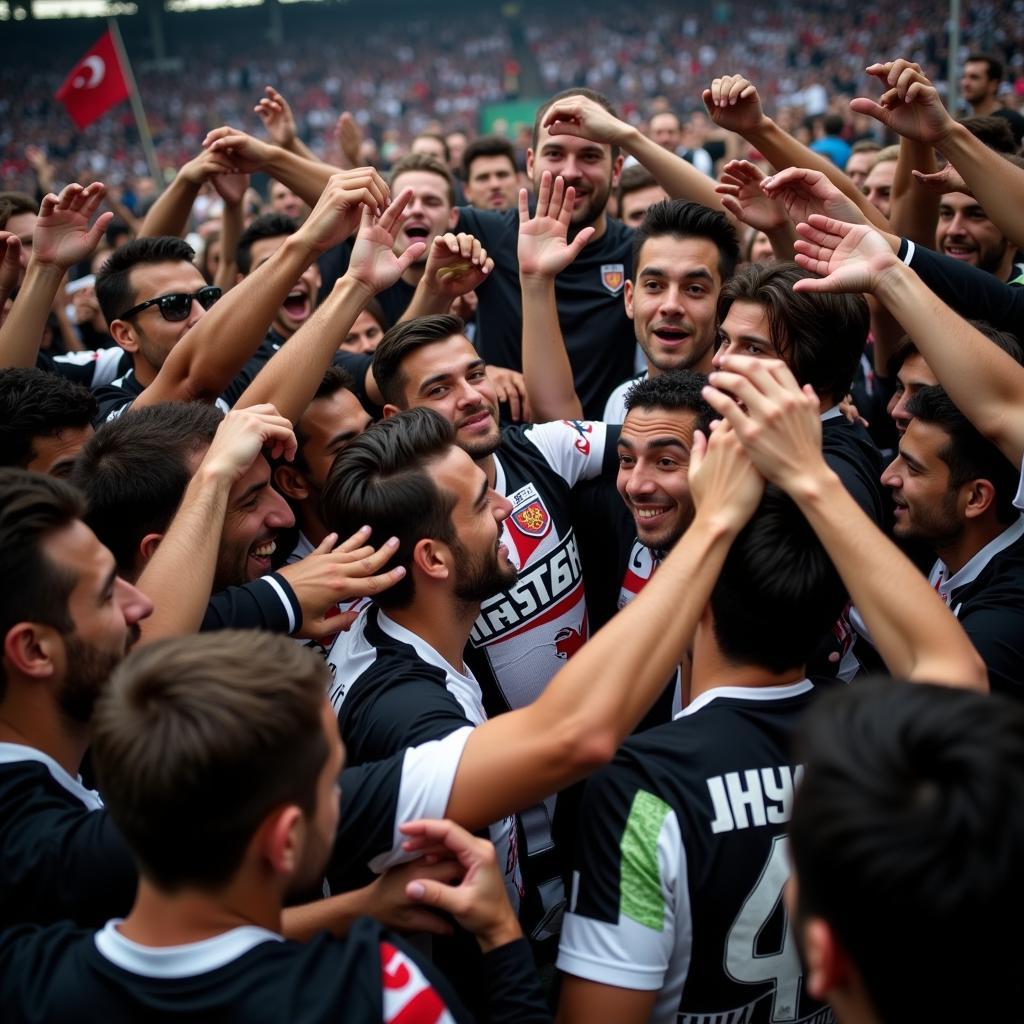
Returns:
<point x="758" y="797"/>
<point x="407" y="995"/>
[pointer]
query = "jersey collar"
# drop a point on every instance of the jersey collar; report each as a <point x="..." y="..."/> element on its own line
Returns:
<point x="972" y="570"/>
<point x="15" y="753"/>
<point x="749" y="693"/>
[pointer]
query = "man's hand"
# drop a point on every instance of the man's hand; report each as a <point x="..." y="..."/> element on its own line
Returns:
<point x="723" y="482"/>
<point x="732" y="102"/>
<point x="231" y="187"/>
<point x="910" y="105"/>
<point x="544" y="249"/>
<point x="203" y="167"/>
<point x="332" y="575"/>
<point x="242" y="436"/>
<point x="479" y="902"/>
<point x="943" y="181"/>
<point x="388" y="902"/>
<point x="277" y="118"/>
<point x="743" y="196"/>
<point x="62" y="236"/>
<point x="10" y="262"/>
<point x="337" y="213"/>
<point x="803" y="192"/>
<point x="456" y="264"/>
<point x="373" y="262"/>
<point x="847" y="257"/>
<point x="585" y="119"/>
<point x="510" y="387"/>
<point x="349" y="137"/>
<point x="242" y="152"/>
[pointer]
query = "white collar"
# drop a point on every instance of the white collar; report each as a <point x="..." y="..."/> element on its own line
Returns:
<point x="970" y="572"/>
<point x="14" y="753"/>
<point x="831" y="413"/>
<point x="423" y="649"/>
<point x="179" y="961"/>
<point x="752" y="693"/>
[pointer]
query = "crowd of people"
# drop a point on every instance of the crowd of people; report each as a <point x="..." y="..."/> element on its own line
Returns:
<point x="490" y="588"/>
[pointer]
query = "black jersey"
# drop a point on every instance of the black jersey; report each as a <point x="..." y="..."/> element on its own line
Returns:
<point x="61" y="857"/>
<point x="852" y="455"/>
<point x="682" y="859"/>
<point x="91" y="369"/>
<point x="598" y="335"/>
<point x="248" y="974"/>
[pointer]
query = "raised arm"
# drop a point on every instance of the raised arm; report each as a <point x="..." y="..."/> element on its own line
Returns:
<point x="456" y="264"/>
<point x="170" y="213"/>
<point x="544" y="252"/>
<point x="744" y="197"/>
<point x="232" y="189"/>
<point x="277" y="117"/>
<point x="779" y="425"/>
<point x="594" y="702"/>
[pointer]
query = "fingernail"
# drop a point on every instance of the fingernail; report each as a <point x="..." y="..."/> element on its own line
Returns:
<point x="392" y="542"/>
<point x="416" y="890"/>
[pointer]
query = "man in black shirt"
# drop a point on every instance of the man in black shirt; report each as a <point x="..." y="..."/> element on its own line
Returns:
<point x="979" y="86"/>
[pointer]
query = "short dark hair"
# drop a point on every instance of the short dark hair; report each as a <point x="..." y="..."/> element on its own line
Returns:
<point x="114" y="291"/>
<point x="676" y="390"/>
<point x="32" y="507"/>
<point x="197" y="739"/>
<point x="436" y="137"/>
<point x="993" y="65"/>
<point x="268" y="225"/>
<point x="399" y="341"/>
<point x="820" y="336"/>
<point x="833" y="124"/>
<point x="134" y="471"/>
<point x="681" y="218"/>
<point x="1009" y="343"/>
<point x="995" y="132"/>
<point x="13" y="203"/>
<point x="968" y="455"/>
<point x="866" y="146"/>
<point x="36" y="404"/>
<point x="591" y="94"/>
<point x="381" y="480"/>
<point x="424" y="162"/>
<point x="907" y="838"/>
<point x="778" y="593"/>
<point x="632" y="179"/>
<point x="486" y="145"/>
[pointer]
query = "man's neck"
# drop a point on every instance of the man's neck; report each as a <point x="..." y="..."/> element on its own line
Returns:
<point x="443" y="622"/>
<point x="711" y="669"/>
<point x="43" y="728"/>
<point x="144" y="373"/>
<point x="414" y="274"/>
<point x="974" y="536"/>
<point x="600" y="226"/>
<point x="983" y="108"/>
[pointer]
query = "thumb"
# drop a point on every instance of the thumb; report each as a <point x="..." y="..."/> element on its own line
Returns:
<point x="435" y="894"/>
<point x="581" y="240"/>
<point x="96" y="231"/>
<point x="698" y="450"/>
<point x="863" y="105"/>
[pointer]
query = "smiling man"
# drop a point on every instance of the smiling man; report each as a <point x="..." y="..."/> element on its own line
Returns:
<point x="965" y="233"/>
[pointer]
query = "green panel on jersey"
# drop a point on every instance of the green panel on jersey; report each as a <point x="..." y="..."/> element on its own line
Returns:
<point x="640" y="894"/>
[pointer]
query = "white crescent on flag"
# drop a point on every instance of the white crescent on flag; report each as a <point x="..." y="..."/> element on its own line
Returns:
<point x="93" y="70"/>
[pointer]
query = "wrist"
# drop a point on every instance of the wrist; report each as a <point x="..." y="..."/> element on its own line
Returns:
<point x="890" y="283"/>
<point x="46" y="270"/>
<point x="629" y="137"/>
<point x="214" y="478"/>
<point x="536" y="282"/>
<point x="814" y="487"/>
<point x="500" y="933"/>
<point x="762" y="130"/>
<point x="349" y="286"/>
<point x="716" y="523"/>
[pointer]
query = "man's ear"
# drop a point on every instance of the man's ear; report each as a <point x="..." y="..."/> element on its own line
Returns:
<point x="390" y="410"/>
<point x="124" y="334"/>
<point x="148" y="546"/>
<point x="33" y="649"/>
<point x="281" y="839"/>
<point x="291" y="483"/>
<point x="828" y="967"/>
<point x="981" y="496"/>
<point x="529" y="163"/>
<point x="617" y="170"/>
<point x="453" y="218"/>
<point x="627" y="297"/>
<point x="433" y="558"/>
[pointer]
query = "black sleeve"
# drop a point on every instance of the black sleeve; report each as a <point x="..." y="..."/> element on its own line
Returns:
<point x="357" y="363"/>
<point x="112" y="401"/>
<point x="973" y="293"/>
<point x="514" y="992"/>
<point x="996" y="628"/>
<point x="256" y="605"/>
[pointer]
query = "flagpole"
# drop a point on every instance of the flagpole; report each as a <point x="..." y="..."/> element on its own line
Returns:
<point x="136" y="101"/>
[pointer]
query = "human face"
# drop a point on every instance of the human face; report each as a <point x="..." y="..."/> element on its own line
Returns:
<point x="148" y="334"/>
<point x="55" y="453"/>
<point x="761" y="250"/>
<point x="430" y="212"/>
<point x="745" y="332"/>
<point x="926" y="506"/>
<point x="492" y="183"/>
<point x="105" y="611"/>
<point x="674" y="302"/>
<point x="634" y="204"/>
<point x="450" y="378"/>
<point x="913" y="375"/>
<point x="284" y="200"/>
<point x="878" y="186"/>
<point x="22" y="225"/>
<point x="858" y="165"/>
<point x="364" y="335"/>
<point x="585" y="165"/>
<point x="256" y="512"/>
<point x="298" y="307"/>
<point x="653" y="481"/>
<point x="965" y="233"/>
<point x="482" y="566"/>
<point x="975" y="84"/>
<point x="457" y="143"/>
<point x="430" y="146"/>
<point x="666" y="131"/>
<point x="328" y="425"/>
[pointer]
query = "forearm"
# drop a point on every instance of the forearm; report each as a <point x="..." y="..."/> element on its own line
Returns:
<point x="782" y="240"/>
<point x="299" y="148"/>
<point x="425" y="302"/>
<point x="289" y="381"/>
<point x="546" y="369"/>
<point x="232" y="223"/>
<point x="335" y="914"/>
<point x="22" y="331"/>
<point x="678" y="177"/>
<point x="306" y="177"/>
<point x="915" y="209"/>
<point x="886" y="332"/>
<point x="179" y="576"/>
<point x="169" y="214"/>
<point x="913" y="630"/>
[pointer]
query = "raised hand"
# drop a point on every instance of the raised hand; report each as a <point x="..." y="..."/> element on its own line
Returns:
<point x="911" y="105"/>
<point x="10" y="262"/>
<point x="723" y="481"/>
<point x="242" y="152"/>
<point x="337" y="212"/>
<point x="349" y="137"/>
<point x="277" y="117"/>
<point x="231" y="187"/>
<point x="205" y="166"/>
<point x="585" y="119"/>
<point x="456" y="264"/>
<point x="846" y="257"/>
<point x="242" y="436"/>
<point x="943" y="181"/>
<point x="742" y="195"/>
<point x="803" y="192"/>
<point x="544" y="249"/>
<point x="732" y="102"/>
<point x="62" y="235"/>
<point x="510" y="387"/>
<point x="374" y="262"/>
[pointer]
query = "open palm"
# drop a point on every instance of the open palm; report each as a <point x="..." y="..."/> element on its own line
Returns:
<point x="846" y="257"/>
<point x="62" y="234"/>
<point x="374" y="262"/>
<point x="544" y="246"/>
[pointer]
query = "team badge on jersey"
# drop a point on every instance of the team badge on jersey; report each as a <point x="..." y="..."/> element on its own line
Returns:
<point x="612" y="277"/>
<point x="532" y="519"/>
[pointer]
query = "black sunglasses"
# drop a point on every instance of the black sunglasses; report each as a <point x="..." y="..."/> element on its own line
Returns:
<point x="176" y="306"/>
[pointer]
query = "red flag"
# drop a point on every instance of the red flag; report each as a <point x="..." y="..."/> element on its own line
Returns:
<point x="95" y="84"/>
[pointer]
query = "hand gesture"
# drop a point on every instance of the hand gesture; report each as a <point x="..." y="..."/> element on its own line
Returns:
<point x="479" y="902"/>
<point x="10" y="262"/>
<point x="242" y="436"/>
<point x="911" y="104"/>
<point x="242" y="152"/>
<point x="847" y="257"/>
<point x="205" y="166"/>
<point x="803" y="192"/>
<point x="62" y="236"/>
<point x="742" y="195"/>
<point x="456" y="264"/>
<point x="778" y="423"/>
<point x="231" y="187"/>
<point x="723" y="481"/>
<point x="510" y="387"/>
<point x="277" y="118"/>
<point x="732" y="102"/>
<point x="37" y="160"/>
<point x="390" y="904"/>
<point x="349" y="137"/>
<point x="544" y="249"/>
<point x="585" y="119"/>
<point x="943" y="181"/>
<point x="338" y="210"/>
<point x="373" y="262"/>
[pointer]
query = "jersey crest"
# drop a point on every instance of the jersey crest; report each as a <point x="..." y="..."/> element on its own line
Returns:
<point x="533" y="519"/>
<point x="612" y="277"/>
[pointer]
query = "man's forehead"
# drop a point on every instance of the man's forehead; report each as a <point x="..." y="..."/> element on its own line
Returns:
<point x="961" y="201"/>
<point x="915" y="368"/>
<point x="421" y="182"/>
<point x="643" y="426"/>
<point x="263" y="248"/>
<point x="678" y="256"/>
<point x="547" y="141"/>
<point x="454" y="354"/>
<point x="166" y="276"/>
